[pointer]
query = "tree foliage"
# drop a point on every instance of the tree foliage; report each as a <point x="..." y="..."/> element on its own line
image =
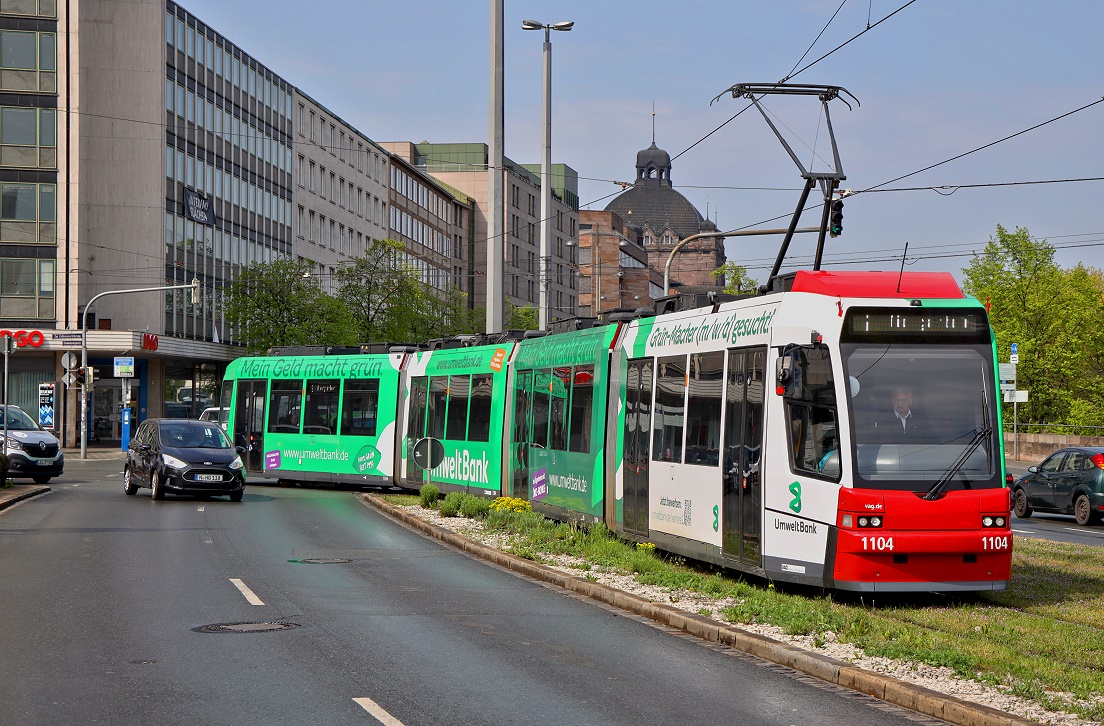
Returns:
<point x="377" y="298"/>
<point x="283" y="303"/>
<point x="1054" y="316"/>
<point x="736" y="279"/>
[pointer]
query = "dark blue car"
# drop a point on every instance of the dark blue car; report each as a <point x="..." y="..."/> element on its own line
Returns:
<point x="183" y="456"/>
<point x="1069" y="481"/>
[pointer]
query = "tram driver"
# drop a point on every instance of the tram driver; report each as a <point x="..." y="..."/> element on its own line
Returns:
<point x="899" y="423"/>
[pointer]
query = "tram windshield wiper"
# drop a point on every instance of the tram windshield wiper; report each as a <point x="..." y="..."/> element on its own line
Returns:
<point x="980" y="434"/>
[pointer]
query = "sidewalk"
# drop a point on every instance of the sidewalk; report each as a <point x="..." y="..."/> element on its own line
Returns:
<point x="19" y="492"/>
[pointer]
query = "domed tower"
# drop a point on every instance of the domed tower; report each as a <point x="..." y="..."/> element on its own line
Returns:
<point x="664" y="217"/>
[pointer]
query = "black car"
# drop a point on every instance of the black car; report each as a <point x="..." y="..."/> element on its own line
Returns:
<point x="1069" y="481"/>
<point x="183" y="456"/>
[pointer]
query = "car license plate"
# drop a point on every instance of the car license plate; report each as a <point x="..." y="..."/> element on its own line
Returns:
<point x="45" y="462"/>
<point x="208" y="477"/>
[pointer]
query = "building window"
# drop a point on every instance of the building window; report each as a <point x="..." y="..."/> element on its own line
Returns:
<point x="28" y="137"/>
<point x="28" y="213"/>
<point x="27" y="288"/>
<point x="28" y="61"/>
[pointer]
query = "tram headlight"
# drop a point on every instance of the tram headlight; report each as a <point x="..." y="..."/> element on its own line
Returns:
<point x="848" y="521"/>
<point x="991" y="521"/>
<point x="864" y="522"/>
<point x="875" y="521"/>
<point x="986" y="521"/>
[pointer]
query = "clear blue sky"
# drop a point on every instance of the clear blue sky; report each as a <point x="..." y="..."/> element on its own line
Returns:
<point x="939" y="78"/>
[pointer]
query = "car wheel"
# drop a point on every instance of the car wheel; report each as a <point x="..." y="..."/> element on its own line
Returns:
<point x="237" y="496"/>
<point x="40" y="479"/>
<point x="1082" y="510"/>
<point x="129" y="487"/>
<point x="1021" y="507"/>
<point x="157" y="491"/>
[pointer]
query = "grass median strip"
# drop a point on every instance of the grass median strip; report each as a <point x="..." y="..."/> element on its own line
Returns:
<point x="1042" y="639"/>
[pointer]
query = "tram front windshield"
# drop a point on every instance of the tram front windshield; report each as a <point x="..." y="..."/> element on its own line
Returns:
<point x="923" y="413"/>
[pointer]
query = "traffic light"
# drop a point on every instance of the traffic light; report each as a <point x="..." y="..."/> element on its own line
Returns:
<point x="835" y="226"/>
<point x="79" y="376"/>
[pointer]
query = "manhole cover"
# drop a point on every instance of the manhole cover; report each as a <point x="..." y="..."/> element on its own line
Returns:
<point x="324" y="561"/>
<point x="244" y="627"/>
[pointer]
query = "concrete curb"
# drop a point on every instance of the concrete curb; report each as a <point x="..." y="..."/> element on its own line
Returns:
<point x="841" y="673"/>
<point x="19" y="492"/>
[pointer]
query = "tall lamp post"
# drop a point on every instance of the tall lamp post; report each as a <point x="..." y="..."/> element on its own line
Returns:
<point x="546" y="162"/>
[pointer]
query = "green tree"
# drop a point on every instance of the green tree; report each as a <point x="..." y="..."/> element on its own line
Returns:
<point x="282" y="303"/>
<point x="736" y="279"/>
<point x="525" y="317"/>
<point x="388" y="302"/>
<point x="1051" y="314"/>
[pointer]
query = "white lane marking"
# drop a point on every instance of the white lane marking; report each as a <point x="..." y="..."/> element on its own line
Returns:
<point x="1082" y="531"/>
<point x="76" y="485"/>
<point x="1024" y="531"/>
<point x="201" y="506"/>
<point x="207" y="540"/>
<point x="250" y="596"/>
<point x="377" y="712"/>
<point x="109" y="476"/>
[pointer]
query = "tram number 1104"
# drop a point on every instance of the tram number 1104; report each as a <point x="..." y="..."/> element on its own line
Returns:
<point x="996" y="543"/>
<point x="877" y="544"/>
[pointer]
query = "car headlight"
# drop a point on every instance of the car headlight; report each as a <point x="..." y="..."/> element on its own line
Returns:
<point x="236" y="463"/>
<point x="14" y="444"/>
<point x="173" y="463"/>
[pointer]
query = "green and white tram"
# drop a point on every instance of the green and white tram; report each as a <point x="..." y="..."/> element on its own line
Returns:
<point x="316" y="419"/>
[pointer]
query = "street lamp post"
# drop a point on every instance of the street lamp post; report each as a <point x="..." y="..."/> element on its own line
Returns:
<point x="546" y="162"/>
<point x="193" y="286"/>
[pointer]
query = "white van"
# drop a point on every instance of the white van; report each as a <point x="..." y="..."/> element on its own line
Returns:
<point x="221" y="415"/>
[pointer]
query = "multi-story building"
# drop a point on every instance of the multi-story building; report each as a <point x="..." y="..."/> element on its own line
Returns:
<point x="465" y="167"/>
<point x="341" y="189"/>
<point x="613" y="266"/>
<point x="433" y="221"/>
<point x="140" y="148"/>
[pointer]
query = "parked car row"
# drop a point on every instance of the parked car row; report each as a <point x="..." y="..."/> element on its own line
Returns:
<point x="1069" y="481"/>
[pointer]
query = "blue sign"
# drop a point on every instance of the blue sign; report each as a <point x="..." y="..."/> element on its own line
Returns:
<point x="1015" y="349"/>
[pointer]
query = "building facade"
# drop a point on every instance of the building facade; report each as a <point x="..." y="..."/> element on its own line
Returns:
<point x="140" y="148"/>
<point x="613" y="266"/>
<point x="464" y="167"/>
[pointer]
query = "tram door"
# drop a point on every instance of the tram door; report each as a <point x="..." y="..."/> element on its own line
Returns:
<point x="249" y="416"/>
<point x="519" y="441"/>
<point x="743" y="488"/>
<point x="637" y="448"/>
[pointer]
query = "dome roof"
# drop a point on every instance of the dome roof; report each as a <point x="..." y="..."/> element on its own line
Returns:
<point x="653" y="202"/>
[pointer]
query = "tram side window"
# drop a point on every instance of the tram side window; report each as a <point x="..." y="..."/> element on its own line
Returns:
<point x="703" y="412"/>
<point x="438" y="398"/>
<point x="283" y="407"/>
<point x="359" y="407"/>
<point x="582" y="409"/>
<point x="811" y="412"/>
<point x="419" y="396"/>
<point x="479" y="416"/>
<point x="541" y="385"/>
<point x="560" y="394"/>
<point x="670" y="406"/>
<point x="521" y="406"/>
<point x="320" y="407"/>
<point x="456" y="422"/>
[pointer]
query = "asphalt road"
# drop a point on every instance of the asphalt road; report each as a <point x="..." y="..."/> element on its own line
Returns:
<point x="103" y="598"/>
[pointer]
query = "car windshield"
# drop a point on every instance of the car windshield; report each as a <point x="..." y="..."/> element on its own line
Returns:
<point x="18" y="420"/>
<point x="193" y="436"/>
<point x="917" y="410"/>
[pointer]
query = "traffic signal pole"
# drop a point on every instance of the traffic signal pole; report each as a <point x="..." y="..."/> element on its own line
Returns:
<point x="193" y="286"/>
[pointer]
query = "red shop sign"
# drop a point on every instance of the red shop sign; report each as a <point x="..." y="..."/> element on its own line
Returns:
<point x="23" y="338"/>
<point x="149" y="342"/>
